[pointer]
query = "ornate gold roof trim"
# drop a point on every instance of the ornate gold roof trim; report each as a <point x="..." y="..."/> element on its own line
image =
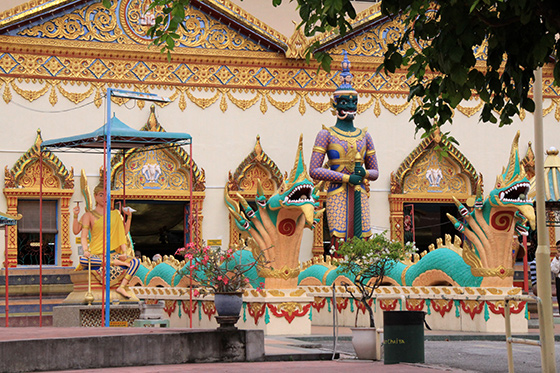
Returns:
<point x="12" y="177"/>
<point x="256" y="158"/>
<point x="152" y="124"/>
<point x="29" y="9"/>
<point x="363" y="20"/>
<point x="81" y="70"/>
<point x="397" y="177"/>
<point x="251" y="30"/>
<point x="248" y="20"/>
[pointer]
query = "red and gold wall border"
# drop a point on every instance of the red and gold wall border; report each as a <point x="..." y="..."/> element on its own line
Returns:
<point x="23" y="182"/>
<point x="80" y="71"/>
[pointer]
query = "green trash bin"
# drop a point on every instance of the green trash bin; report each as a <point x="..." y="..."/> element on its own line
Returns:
<point x="403" y="339"/>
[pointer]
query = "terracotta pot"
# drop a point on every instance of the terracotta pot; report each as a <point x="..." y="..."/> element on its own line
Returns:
<point x="364" y="341"/>
<point x="228" y="304"/>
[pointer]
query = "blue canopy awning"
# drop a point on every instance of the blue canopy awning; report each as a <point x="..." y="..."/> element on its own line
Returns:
<point x="122" y="137"/>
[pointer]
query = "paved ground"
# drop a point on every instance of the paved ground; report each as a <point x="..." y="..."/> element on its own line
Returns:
<point x="441" y="356"/>
<point x="444" y="352"/>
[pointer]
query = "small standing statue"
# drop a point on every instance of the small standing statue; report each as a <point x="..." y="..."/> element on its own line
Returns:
<point x="352" y="159"/>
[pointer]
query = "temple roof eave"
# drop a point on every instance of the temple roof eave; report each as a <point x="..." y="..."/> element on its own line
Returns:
<point x="223" y="10"/>
<point x="33" y="10"/>
<point x="80" y="48"/>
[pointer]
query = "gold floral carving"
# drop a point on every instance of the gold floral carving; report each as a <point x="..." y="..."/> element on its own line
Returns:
<point x="28" y="8"/>
<point x="91" y="23"/>
<point x="321" y="107"/>
<point x="248" y="183"/>
<point x="257" y="165"/>
<point x="470" y="111"/>
<point x="174" y="164"/>
<point x="202" y="102"/>
<point x="452" y="181"/>
<point x="242" y="104"/>
<point x="290" y="307"/>
<point x="213" y="57"/>
<point x="73" y="96"/>
<point x="276" y="293"/>
<point x="394" y="108"/>
<point x="281" y="105"/>
<point x="96" y="23"/>
<point x="283" y="273"/>
<point x="30" y="95"/>
<point x="243" y="17"/>
<point x="363" y="107"/>
<point x="297" y="44"/>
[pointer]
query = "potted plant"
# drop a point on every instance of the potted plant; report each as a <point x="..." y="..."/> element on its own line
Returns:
<point x="365" y="262"/>
<point x="224" y="273"/>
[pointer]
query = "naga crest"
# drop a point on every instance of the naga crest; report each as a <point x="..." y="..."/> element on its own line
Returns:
<point x="512" y="187"/>
<point x="298" y="191"/>
<point x="277" y="225"/>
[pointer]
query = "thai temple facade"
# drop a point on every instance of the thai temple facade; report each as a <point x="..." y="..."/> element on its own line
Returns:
<point x="238" y="83"/>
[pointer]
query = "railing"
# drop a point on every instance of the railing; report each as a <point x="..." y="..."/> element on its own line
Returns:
<point x="511" y="340"/>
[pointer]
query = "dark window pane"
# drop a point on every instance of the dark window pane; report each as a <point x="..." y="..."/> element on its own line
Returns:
<point x="30" y="220"/>
<point x="28" y="249"/>
<point x="28" y="232"/>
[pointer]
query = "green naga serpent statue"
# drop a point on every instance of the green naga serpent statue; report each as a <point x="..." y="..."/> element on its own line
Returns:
<point x="484" y="259"/>
<point x="276" y="228"/>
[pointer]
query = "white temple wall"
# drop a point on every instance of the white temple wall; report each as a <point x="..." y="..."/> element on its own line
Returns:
<point x="221" y="140"/>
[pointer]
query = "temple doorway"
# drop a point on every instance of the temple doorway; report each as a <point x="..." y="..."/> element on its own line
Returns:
<point x="426" y="222"/>
<point x="158" y="227"/>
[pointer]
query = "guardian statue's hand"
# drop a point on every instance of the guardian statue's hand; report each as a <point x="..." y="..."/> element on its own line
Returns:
<point x="355" y="179"/>
<point x="360" y="170"/>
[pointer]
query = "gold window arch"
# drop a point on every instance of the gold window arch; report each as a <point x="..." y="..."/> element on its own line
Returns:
<point x="425" y="177"/>
<point x="258" y="166"/>
<point x="161" y="174"/>
<point x="23" y="181"/>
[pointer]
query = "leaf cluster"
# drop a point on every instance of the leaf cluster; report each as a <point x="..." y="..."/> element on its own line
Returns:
<point x="516" y="36"/>
<point x="367" y="261"/>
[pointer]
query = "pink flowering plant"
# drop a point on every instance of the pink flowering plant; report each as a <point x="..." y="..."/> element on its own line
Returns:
<point x="223" y="271"/>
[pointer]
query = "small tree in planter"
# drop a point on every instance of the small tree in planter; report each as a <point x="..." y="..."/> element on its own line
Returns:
<point x="367" y="262"/>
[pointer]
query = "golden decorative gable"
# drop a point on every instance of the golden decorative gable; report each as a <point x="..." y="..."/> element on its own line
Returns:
<point x="23" y="181"/>
<point x="26" y="171"/>
<point x="257" y="165"/>
<point x="156" y="169"/>
<point x="127" y="22"/>
<point x="424" y="171"/>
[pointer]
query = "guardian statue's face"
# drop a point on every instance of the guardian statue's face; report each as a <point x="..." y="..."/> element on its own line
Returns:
<point x="346" y="107"/>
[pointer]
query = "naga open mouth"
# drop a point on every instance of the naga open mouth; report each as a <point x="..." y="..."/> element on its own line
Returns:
<point x="300" y="194"/>
<point x="347" y="112"/>
<point x="516" y="193"/>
